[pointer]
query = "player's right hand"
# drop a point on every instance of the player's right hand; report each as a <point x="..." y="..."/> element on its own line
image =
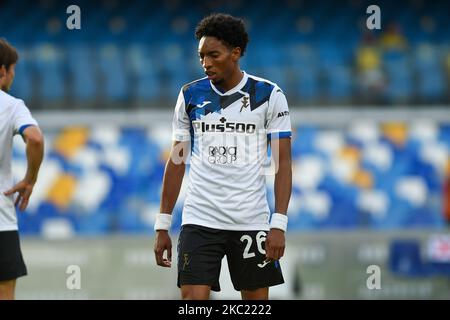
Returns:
<point x="24" y="189"/>
<point x="163" y="243"/>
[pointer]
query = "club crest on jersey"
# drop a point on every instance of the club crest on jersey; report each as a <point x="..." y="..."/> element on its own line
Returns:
<point x="244" y="103"/>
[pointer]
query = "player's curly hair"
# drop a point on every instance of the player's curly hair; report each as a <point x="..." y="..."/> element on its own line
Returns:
<point x="8" y="54"/>
<point x="228" y="29"/>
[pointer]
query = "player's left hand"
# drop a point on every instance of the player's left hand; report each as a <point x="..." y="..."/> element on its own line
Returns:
<point x="275" y="244"/>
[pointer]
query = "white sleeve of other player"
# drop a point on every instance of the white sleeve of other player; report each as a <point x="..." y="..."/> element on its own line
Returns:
<point x="22" y="117"/>
<point x="181" y="123"/>
<point x="278" y="118"/>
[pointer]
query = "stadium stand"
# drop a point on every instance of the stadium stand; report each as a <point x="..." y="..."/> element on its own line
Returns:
<point x="107" y="179"/>
<point x="142" y="51"/>
<point x="137" y="54"/>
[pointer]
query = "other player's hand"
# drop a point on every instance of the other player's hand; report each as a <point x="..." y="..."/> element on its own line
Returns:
<point x="24" y="188"/>
<point x="275" y="244"/>
<point x="163" y="243"/>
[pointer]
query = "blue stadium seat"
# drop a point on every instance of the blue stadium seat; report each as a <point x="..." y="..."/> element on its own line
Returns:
<point x="49" y="63"/>
<point x="172" y="57"/>
<point x="114" y="75"/>
<point x="399" y="73"/>
<point x="269" y="63"/>
<point x="94" y="223"/>
<point x="23" y="82"/>
<point x="431" y="77"/>
<point x="303" y="61"/>
<point x="83" y="71"/>
<point x="405" y="259"/>
<point x="145" y="72"/>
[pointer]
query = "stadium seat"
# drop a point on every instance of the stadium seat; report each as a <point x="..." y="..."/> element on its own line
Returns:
<point x="49" y="62"/>
<point x="430" y="73"/>
<point x="24" y="80"/>
<point x="113" y="73"/>
<point x="83" y="73"/>
<point x="405" y="259"/>
<point x="399" y="75"/>
<point x="144" y="69"/>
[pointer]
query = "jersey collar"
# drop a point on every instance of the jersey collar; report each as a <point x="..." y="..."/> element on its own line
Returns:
<point x="238" y="87"/>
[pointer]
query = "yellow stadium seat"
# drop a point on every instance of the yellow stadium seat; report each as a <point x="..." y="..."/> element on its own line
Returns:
<point x="62" y="191"/>
<point x="363" y="179"/>
<point x="70" y="140"/>
<point x="397" y="132"/>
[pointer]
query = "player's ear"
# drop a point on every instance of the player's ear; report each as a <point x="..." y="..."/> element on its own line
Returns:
<point x="2" y="71"/>
<point x="236" y="54"/>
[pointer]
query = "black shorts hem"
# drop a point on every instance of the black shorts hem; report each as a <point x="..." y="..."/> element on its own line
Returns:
<point x="214" y="287"/>
<point x="13" y="276"/>
<point x="259" y="286"/>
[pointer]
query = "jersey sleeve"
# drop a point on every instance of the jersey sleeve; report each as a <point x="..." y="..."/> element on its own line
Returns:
<point x="22" y="118"/>
<point x="181" y="123"/>
<point x="278" y="118"/>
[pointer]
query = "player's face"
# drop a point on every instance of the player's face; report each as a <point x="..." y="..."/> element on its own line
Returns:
<point x="218" y="61"/>
<point x="7" y="77"/>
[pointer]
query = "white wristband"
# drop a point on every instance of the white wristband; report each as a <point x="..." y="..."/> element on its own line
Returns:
<point x="279" y="221"/>
<point x="163" y="221"/>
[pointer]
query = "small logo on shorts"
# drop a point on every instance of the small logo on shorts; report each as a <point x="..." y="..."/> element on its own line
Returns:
<point x="263" y="264"/>
<point x="185" y="261"/>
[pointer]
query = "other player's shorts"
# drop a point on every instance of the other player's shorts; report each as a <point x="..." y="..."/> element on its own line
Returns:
<point x="12" y="265"/>
<point x="200" y="254"/>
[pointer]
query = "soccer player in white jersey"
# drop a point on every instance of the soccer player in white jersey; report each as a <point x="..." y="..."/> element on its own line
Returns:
<point x="225" y="121"/>
<point x="15" y="118"/>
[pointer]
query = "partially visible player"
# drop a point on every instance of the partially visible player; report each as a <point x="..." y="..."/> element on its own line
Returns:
<point x="15" y="118"/>
<point x="227" y="120"/>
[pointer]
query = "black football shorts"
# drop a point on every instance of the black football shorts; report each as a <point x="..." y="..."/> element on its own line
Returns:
<point x="12" y="265"/>
<point x="200" y="254"/>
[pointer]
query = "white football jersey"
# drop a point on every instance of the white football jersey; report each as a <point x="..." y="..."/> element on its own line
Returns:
<point x="14" y="118"/>
<point x="229" y="135"/>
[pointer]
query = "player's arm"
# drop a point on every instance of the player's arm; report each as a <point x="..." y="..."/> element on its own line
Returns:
<point x="281" y="153"/>
<point x="283" y="174"/>
<point x="279" y="133"/>
<point x="35" y="151"/>
<point x="173" y="178"/>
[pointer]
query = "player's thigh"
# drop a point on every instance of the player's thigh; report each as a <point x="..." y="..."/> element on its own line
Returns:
<point x="7" y="289"/>
<point x="195" y="292"/>
<point x="256" y="294"/>
<point x="246" y="261"/>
